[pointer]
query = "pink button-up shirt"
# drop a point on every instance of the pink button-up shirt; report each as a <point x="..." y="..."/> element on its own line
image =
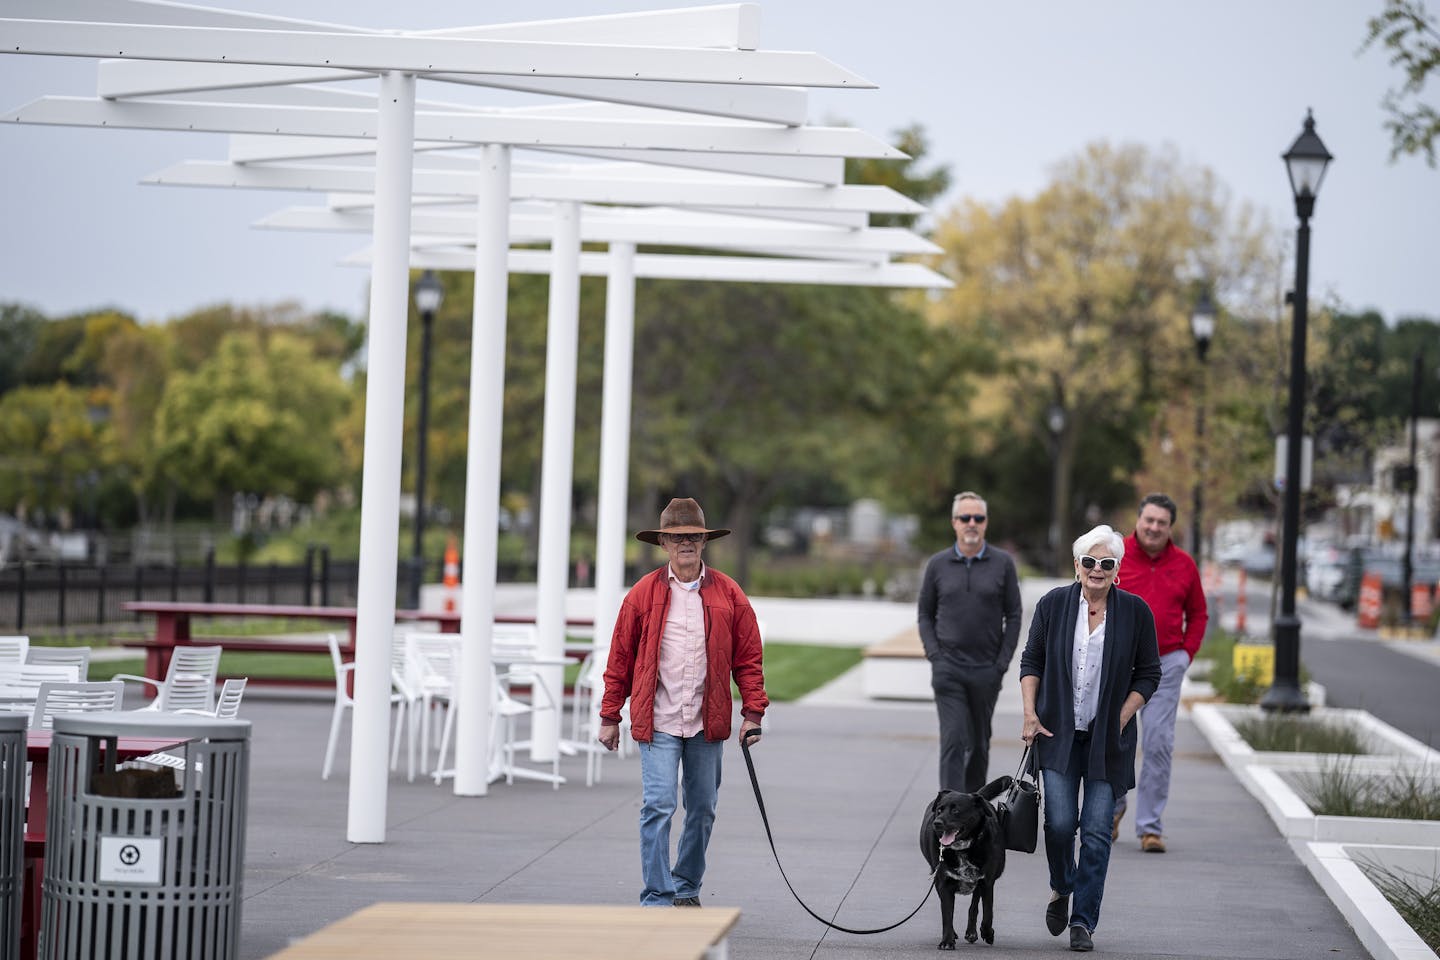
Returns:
<point x="680" y="693"/>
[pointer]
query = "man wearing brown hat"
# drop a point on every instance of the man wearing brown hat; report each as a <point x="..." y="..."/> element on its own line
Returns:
<point x="682" y="632"/>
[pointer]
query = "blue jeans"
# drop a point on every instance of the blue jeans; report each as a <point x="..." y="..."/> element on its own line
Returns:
<point x="1064" y="817"/>
<point x="667" y="764"/>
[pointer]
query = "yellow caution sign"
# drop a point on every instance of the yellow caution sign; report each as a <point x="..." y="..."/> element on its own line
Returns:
<point x="1256" y="661"/>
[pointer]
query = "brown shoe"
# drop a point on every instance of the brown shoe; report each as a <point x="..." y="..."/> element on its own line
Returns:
<point x="1115" y="824"/>
<point x="1152" y="843"/>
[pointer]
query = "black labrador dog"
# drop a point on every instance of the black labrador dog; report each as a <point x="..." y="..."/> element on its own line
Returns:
<point x="962" y="841"/>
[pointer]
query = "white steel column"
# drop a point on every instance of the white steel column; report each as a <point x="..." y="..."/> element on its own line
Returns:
<point x="557" y="466"/>
<point x="482" y="471"/>
<point x="613" y="496"/>
<point x="380" y="492"/>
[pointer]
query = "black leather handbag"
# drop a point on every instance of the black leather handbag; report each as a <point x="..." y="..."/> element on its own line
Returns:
<point x="1021" y="806"/>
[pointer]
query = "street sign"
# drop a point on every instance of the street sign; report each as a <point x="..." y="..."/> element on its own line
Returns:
<point x="1307" y="457"/>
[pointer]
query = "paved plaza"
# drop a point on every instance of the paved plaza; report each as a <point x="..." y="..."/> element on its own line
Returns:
<point x="845" y="781"/>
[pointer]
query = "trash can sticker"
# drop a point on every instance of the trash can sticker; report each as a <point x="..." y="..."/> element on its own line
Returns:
<point x="130" y="859"/>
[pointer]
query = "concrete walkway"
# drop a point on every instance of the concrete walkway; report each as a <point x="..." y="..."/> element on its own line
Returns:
<point x="845" y="781"/>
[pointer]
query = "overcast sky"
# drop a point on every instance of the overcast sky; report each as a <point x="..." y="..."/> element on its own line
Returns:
<point x="1004" y="91"/>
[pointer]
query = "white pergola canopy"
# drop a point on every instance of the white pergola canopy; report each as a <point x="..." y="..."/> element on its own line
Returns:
<point x="694" y="136"/>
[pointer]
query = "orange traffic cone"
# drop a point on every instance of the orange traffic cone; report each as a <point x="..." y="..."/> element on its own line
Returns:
<point x="1368" y="608"/>
<point x="452" y="574"/>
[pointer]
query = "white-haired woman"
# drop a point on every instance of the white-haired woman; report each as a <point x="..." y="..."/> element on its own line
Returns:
<point x="1089" y="664"/>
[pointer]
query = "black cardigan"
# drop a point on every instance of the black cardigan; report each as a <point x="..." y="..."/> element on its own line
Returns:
<point x="1131" y="662"/>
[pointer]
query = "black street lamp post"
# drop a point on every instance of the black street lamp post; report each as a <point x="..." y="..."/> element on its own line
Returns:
<point x="1055" y="420"/>
<point x="428" y="294"/>
<point x="1202" y="326"/>
<point x="1305" y="162"/>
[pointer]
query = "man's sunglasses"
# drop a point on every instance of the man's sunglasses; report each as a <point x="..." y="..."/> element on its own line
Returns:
<point x="1106" y="563"/>
<point x="684" y="537"/>
<point x="968" y="517"/>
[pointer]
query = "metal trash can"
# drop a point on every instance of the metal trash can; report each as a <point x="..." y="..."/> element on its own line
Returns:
<point x="145" y="863"/>
<point x="12" y="829"/>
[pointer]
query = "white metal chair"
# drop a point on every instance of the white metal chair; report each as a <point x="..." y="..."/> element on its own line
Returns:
<point x="227" y="704"/>
<point x="13" y="649"/>
<point x="227" y="707"/>
<point x="517" y="645"/>
<point x="584" y="713"/>
<point x="435" y="659"/>
<point x="189" y="682"/>
<point x="90" y="696"/>
<point x="343" y="701"/>
<point x="20" y="682"/>
<point x="78" y="657"/>
<point x="405" y="694"/>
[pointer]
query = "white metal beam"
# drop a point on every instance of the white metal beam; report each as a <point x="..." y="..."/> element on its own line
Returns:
<point x="607" y="227"/>
<point x="522" y="131"/>
<point x="423" y="55"/>
<point x="247" y="148"/>
<point x="576" y="185"/>
<point x="722" y="269"/>
<point x="166" y="13"/>
<point x="150" y="78"/>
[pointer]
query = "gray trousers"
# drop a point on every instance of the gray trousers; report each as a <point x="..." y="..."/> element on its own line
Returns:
<point x="1157" y="744"/>
<point x="965" y="702"/>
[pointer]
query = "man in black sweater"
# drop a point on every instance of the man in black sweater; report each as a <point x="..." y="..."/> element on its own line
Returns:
<point x="969" y="616"/>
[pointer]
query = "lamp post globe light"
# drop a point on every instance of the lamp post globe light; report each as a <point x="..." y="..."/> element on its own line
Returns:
<point x="428" y="295"/>
<point x="1305" y="162"/>
<point x="1202" y="327"/>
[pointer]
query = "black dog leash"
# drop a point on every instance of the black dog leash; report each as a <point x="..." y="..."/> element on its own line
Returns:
<point x="760" y="802"/>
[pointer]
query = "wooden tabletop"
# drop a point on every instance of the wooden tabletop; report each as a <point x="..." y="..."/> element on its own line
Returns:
<point x="475" y="931"/>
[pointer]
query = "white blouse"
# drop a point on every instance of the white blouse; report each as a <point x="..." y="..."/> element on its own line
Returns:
<point x="1085" y="661"/>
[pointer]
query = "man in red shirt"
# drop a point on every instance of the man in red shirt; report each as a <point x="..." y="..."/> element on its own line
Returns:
<point x="1166" y="578"/>
<point x="681" y="634"/>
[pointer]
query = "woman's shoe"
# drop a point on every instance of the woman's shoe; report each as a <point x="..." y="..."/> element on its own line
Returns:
<point x="1057" y="914"/>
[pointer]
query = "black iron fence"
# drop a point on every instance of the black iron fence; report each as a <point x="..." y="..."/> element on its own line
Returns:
<point x="65" y="596"/>
<point x="42" y="595"/>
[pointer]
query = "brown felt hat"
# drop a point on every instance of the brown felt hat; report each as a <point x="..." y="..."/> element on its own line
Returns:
<point x="681" y="516"/>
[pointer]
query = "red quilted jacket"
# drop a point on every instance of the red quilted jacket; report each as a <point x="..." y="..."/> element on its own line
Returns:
<point x="732" y="648"/>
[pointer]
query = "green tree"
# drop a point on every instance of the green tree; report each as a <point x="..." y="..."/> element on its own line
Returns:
<point x="744" y="391"/>
<point x="49" y="446"/>
<point x="1408" y="31"/>
<point x="19" y="329"/>
<point x="258" y="416"/>
<point x="1075" y="306"/>
<point x="903" y="176"/>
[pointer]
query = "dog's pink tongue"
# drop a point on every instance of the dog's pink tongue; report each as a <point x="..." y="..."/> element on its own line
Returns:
<point x="949" y="838"/>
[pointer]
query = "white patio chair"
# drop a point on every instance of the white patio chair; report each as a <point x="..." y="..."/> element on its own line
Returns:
<point x="435" y="659"/>
<point x="227" y="704"/>
<point x="515" y="646"/>
<point x="343" y="701"/>
<point x="90" y="696"/>
<point x="584" y="722"/>
<point x="20" y="682"/>
<point x="505" y="711"/>
<point x="405" y="694"/>
<point x="78" y="657"/>
<point x="189" y="682"/>
<point x="13" y="649"/>
<point x="227" y="707"/>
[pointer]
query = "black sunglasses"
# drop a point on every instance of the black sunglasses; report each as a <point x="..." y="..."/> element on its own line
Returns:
<point x="1106" y="563"/>
<point x="684" y="537"/>
<point x="968" y="517"/>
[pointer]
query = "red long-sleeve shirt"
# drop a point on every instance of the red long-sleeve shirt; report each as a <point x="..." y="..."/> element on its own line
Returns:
<point x="1170" y="584"/>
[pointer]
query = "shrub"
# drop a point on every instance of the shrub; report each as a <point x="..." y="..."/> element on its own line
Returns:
<point x="1289" y="733"/>
<point x="1416" y="899"/>
<point x="1339" y="790"/>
